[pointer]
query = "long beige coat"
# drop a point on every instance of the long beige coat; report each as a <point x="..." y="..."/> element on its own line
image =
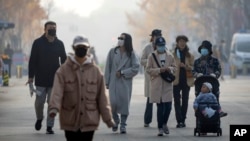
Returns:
<point x="189" y="61"/>
<point x="161" y="91"/>
<point x="144" y="59"/>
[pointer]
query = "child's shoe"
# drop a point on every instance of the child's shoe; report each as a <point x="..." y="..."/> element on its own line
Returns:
<point x="222" y="114"/>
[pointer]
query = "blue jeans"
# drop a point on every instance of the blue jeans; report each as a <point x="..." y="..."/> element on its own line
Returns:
<point x="122" y="119"/>
<point x="163" y="113"/>
<point x="148" y="112"/>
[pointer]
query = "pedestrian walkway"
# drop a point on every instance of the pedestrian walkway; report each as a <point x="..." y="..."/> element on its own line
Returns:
<point x="17" y="115"/>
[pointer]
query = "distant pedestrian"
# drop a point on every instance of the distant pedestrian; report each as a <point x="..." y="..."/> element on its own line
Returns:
<point x="161" y="90"/>
<point x="121" y="66"/>
<point x="149" y="49"/>
<point x="47" y="53"/>
<point x="222" y="56"/>
<point x="92" y="52"/>
<point x="79" y="96"/>
<point x="184" y="79"/>
<point x="1" y="70"/>
<point x="9" y="51"/>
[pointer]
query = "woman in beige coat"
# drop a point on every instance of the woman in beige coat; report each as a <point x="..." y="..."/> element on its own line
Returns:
<point x="79" y="96"/>
<point x="184" y="79"/>
<point x="149" y="49"/>
<point x="161" y="91"/>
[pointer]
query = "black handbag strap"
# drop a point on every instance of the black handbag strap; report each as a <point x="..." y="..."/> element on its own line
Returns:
<point x="156" y="60"/>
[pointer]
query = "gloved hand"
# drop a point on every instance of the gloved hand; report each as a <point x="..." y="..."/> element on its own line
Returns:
<point x="199" y="75"/>
<point x="212" y="74"/>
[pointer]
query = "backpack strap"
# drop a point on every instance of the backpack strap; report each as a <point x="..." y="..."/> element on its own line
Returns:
<point x="156" y="60"/>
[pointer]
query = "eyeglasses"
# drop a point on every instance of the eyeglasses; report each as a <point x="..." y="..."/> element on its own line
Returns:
<point x="120" y="38"/>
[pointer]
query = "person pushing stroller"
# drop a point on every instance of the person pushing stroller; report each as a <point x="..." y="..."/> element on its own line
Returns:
<point x="207" y="65"/>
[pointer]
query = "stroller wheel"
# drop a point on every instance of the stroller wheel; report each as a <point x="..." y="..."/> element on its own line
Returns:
<point x="219" y="132"/>
<point x="199" y="133"/>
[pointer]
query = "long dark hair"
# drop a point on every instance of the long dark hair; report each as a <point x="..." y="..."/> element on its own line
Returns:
<point x="127" y="44"/>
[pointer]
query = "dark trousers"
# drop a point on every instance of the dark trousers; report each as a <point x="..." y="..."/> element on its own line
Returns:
<point x="181" y="96"/>
<point x="163" y="113"/>
<point x="148" y="112"/>
<point x="79" y="136"/>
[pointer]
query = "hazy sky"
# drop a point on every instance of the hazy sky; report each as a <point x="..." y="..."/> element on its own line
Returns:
<point x="102" y="21"/>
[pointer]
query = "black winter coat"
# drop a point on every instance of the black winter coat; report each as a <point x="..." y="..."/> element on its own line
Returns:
<point x="44" y="60"/>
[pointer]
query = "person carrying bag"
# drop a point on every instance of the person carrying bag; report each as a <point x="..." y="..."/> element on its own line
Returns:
<point x="167" y="76"/>
<point x="160" y="65"/>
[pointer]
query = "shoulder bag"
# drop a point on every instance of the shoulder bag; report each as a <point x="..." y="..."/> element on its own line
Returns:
<point x="167" y="76"/>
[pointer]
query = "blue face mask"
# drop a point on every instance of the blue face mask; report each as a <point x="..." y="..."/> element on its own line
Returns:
<point x="204" y="52"/>
<point x="160" y="49"/>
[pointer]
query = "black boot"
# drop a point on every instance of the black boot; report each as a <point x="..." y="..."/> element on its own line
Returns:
<point x="49" y="130"/>
<point x="38" y="125"/>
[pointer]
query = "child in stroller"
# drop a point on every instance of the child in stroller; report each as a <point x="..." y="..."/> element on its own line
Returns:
<point x="206" y="96"/>
<point x="215" y="87"/>
<point x="207" y="111"/>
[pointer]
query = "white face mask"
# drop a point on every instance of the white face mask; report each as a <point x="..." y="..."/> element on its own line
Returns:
<point x="120" y="43"/>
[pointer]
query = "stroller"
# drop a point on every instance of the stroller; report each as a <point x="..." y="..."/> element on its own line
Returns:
<point x="205" y="124"/>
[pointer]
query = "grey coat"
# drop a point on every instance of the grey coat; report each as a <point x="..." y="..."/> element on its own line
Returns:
<point x="120" y="89"/>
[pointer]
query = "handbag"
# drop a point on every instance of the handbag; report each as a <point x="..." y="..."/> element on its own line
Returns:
<point x="167" y="76"/>
<point x="189" y="74"/>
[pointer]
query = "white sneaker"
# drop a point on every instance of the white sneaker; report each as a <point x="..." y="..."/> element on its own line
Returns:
<point x="160" y="132"/>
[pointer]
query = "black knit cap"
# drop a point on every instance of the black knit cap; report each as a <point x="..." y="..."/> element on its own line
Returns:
<point x="156" y="32"/>
<point x="205" y="44"/>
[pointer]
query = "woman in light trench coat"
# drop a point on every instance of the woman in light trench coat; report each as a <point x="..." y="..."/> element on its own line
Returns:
<point x="161" y="91"/>
<point x="149" y="48"/>
<point x="121" y="66"/>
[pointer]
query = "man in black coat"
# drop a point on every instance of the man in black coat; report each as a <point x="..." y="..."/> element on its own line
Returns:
<point x="47" y="54"/>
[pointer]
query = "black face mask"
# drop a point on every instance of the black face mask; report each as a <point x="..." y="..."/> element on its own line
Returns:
<point x="52" y="32"/>
<point x="80" y="52"/>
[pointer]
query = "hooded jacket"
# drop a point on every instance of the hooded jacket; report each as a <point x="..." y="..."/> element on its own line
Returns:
<point x="79" y="96"/>
<point x="45" y="59"/>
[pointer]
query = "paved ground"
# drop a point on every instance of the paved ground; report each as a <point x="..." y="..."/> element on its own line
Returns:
<point x="17" y="115"/>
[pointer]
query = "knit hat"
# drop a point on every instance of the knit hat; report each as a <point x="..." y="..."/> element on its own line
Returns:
<point x="209" y="86"/>
<point x="156" y="32"/>
<point x="206" y="44"/>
